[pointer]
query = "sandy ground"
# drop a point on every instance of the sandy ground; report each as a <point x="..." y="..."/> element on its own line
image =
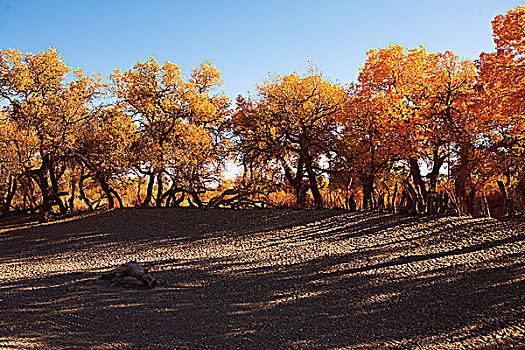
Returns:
<point x="264" y="279"/>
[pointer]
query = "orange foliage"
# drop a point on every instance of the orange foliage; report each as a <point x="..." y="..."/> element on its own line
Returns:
<point x="436" y="127"/>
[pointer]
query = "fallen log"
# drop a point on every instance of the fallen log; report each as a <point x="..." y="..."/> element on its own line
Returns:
<point x="131" y="269"/>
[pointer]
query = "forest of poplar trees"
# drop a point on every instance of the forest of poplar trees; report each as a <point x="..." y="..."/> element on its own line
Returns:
<point x="418" y="133"/>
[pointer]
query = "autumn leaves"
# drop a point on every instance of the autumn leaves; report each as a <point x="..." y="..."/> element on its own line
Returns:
<point x="287" y="129"/>
<point x="42" y="115"/>
<point x="66" y="137"/>
<point x="181" y="125"/>
<point x="419" y="132"/>
<point x="440" y="128"/>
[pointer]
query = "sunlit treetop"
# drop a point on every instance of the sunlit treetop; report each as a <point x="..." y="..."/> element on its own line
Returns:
<point x="509" y="33"/>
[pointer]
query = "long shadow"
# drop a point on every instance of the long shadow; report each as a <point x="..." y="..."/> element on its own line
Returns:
<point x="344" y="227"/>
<point x="422" y="257"/>
<point x="318" y="303"/>
<point x="275" y="308"/>
<point x="173" y="225"/>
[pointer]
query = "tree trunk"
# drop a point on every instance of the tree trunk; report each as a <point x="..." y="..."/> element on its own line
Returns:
<point x="394" y="203"/>
<point x="149" y="190"/>
<point x="414" y="203"/>
<point x="380" y="200"/>
<point x="419" y="184"/>
<point x="196" y="199"/>
<point x="45" y="208"/>
<point x="352" y="204"/>
<point x="519" y="192"/>
<point x="485" y="208"/>
<point x="471" y="197"/>
<point x="452" y="205"/>
<point x="12" y="185"/>
<point x="117" y="196"/>
<point x="347" y="190"/>
<point x="107" y="190"/>
<point x="431" y="203"/>
<point x="301" y="197"/>
<point x="388" y="205"/>
<point x="436" y="166"/>
<point x="81" y="190"/>
<point x="296" y="182"/>
<point x="509" y="211"/>
<point x="54" y="189"/>
<point x="367" y="184"/>
<point x="314" y="187"/>
<point x="403" y="203"/>
<point x="177" y="201"/>
<point x="82" y="193"/>
<point x="71" y="201"/>
<point x="191" y="203"/>
<point x="159" y="190"/>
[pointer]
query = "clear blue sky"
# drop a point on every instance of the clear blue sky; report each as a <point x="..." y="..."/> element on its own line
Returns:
<point x="245" y="39"/>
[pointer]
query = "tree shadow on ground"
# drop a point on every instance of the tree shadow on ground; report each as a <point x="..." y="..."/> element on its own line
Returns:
<point x="109" y="228"/>
<point x="368" y="298"/>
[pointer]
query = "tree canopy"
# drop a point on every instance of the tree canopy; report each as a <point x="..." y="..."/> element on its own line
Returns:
<point x="418" y="132"/>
